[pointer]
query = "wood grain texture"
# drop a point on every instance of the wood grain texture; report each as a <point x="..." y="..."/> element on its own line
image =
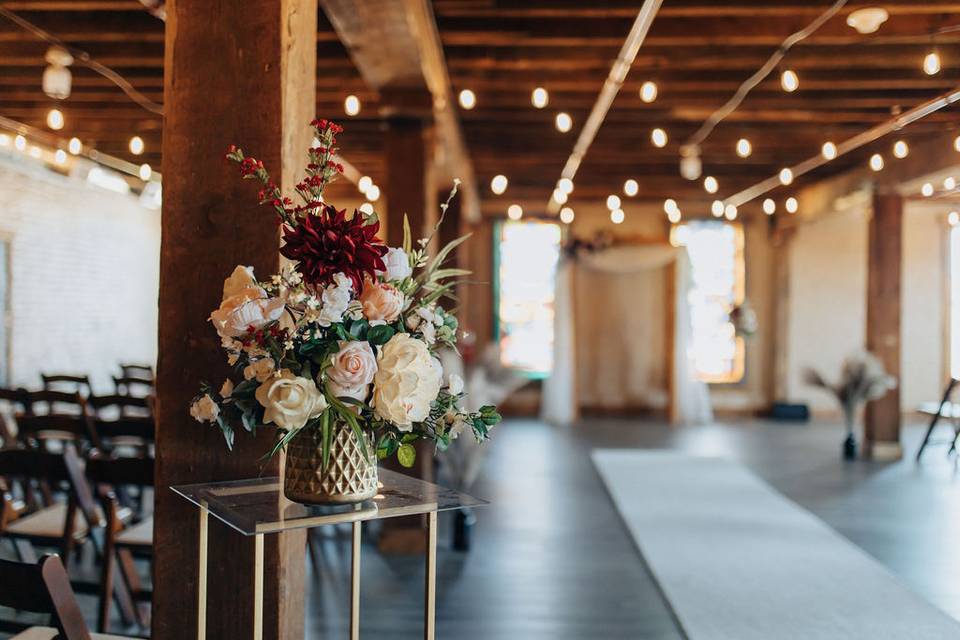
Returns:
<point x="235" y="73"/>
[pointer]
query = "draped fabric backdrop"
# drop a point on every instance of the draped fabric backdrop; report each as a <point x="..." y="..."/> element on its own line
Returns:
<point x="610" y="343"/>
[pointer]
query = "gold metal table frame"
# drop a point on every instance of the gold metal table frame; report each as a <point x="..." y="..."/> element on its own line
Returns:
<point x="257" y="508"/>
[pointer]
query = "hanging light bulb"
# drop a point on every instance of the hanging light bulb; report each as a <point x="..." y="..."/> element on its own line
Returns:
<point x="540" y="97"/>
<point x="931" y="63"/>
<point x="364" y="183"/>
<point x="57" y="79"/>
<point x="789" y="81"/>
<point x="565" y="185"/>
<point x="373" y="193"/>
<point x="956" y="143"/>
<point x="559" y="196"/>
<point x="563" y="122"/>
<point x="716" y="208"/>
<point x="631" y="188"/>
<point x="829" y="150"/>
<point x="75" y="146"/>
<point x="710" y="184"/>
<point x="514" y="212"/>
<point x="60" y="156"/>
<point x="786" y="176"/>
<point x="953" y="218"/>
<point x="744" y="148"/>
<point x="659" y="137"/>
<point x="926" y="190"/>
<point x="791" y="205"/>
<point x="670" y="205"/>
<point x="351" y="105"/>
<point x="876" y="162"/>
<point x="617" y="216"/>
<point x="366" y="208"/>
<point x="566" y="215"/>
<point x="648" y="91"/>
<point x="769" y="206"/>
<point x="468" y="99"/>
<point x="730" y="212"/>
<point x="145" y="172"/>
<point x="20" y="143"/>
<point x="55" y="119"/>
<point x="613" y="202"/>
<point x="900" y="149"/>
<point x="499" y="184"/>
<point x="136" y="145"/>
<point x="674" y="216"/>
<point x="949" y="184"/>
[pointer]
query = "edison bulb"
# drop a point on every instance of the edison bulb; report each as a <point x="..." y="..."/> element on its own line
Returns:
<point x="829" y="150"/>
<point x="613" y="202"/>
<point x="900" y="149"/>
<point x="926" y="190"/>
<point x="55" y="119"/>
<point x="20" y="143"/>
<point x="716" y="208"/>
<point x="876" y="162"/>
<point x="514" y="212"/>
<point x="730" y="212"/>
<point x="949" y="184"/>
<point x="74" y="146"/>
<point x="559" y="196"/>
<point x="670" y="205"/>
<point x="631" y="188"/>
<point x="366" y="208"/>
<point x="789" y="81"/>
<point x="931" y="63"/>
<point x="769" y="206"/>
<point x="659" y="137"/>
<point x="351" y="105"/>
<point x="710" y="184"/>
<point x="566" y="215"/>
<point x="373" y="193"/>
<point x="791" y="205"/>
<point x="136" y="145"/>
<point x="145" y="172"/>
<point x="468" y="99"/>
<point x="563" y="122"/>
<point x="617" y="216"/>
<point x="60" y="157"/>
<point x="953" y="218"/>
<point x="364" y="183"/>
<point x="786" y="176"/>
<point x="744" y="148"/>
<point x="565" y="185"/>
<point x="648" y="91"/>
<point x="540" y="97"/>
<point x="499" y="184"/>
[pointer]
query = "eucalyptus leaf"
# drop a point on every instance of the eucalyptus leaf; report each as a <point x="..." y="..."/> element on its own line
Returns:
<point x="406" y="455"/>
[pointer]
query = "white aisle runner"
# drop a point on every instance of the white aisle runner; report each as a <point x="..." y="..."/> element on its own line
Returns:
<point x="738" y="561"/>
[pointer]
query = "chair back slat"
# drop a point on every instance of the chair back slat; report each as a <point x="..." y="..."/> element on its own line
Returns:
<point x="50" y="401"/>
<point x="67" y="382"/>
<point x="43" y="588"/>
<point x="120" y="471"/>
<point x="132" y="427"/>
<point x="31" y="464"/>
<point x="137" y="370"/>
<point x="33" y="429"/>
<point x="127" y="385"/>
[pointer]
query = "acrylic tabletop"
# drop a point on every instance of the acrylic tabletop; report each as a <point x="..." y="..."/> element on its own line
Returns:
<point x="259" y="506"/>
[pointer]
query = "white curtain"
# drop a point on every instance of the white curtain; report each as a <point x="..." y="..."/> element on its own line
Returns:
<point x="690" y="400"/>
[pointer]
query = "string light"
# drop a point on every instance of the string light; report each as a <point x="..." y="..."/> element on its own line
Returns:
<point x="926" y="190"/>
<point x="514" y="212"/>
<point x="710" y="184"/>
<point x="468" y="99"/>
<point x="566" y="215"/>
<point x="20" y="143"/>
<point x="931" y="63"/>
<point x="791" y="205"/>
<point x="659" y="137"/>
<point x="631" y="188"/>
<point x="900" y="149"/>
<point x="55" y="119"/>
<point x="670" y="205"/>
<point x="136" y="145"/>
<point x="956" y="143"/>
<point x="949" y="184"/>
<point x="786" y="176"/>
<point x="366" y="208"/>
<point x="35" y="152"/>
<point x="730" y="212"/>
<point x="499" y="184"/>
<point x="540" y="97"/>
<point x="351" y="105"/>
<point x="716" y="208"/>
<point x="364" y="183"/>
<point x="559" y="196"/>
<point x="617" y="216"/>
<point x="648" y="91"/>
<point x="565" y="185"/>
<point x="613" y="202"/>
<point x="373" y="193"/>
<point x="769" y="206"/>
<point x="876" y="162"/>
<point x="744" y="148"/>
<point x="4" y="140"/>
<point x="828" y="150"/>
<point x="75" y="146"/>
<point x="145" y="172"/>
<point x="789" y="81"/>
<point x="563" y="122"/>
<point x="674" y="216"/>
<point x="953" y="218"/>
<point x="60" y="156"/>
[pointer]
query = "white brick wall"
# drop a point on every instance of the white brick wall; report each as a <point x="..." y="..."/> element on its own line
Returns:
<point x="84" y="274"/>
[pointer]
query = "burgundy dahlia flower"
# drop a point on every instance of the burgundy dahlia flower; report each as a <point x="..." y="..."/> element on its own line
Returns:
<point x="328" y="243"/>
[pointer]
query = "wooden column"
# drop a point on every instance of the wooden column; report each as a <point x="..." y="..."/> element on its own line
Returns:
<point x="882" y="428"/>
<point x="241" y="73"/>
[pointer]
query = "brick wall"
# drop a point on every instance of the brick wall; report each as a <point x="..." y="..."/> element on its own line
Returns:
<point x="83" y="276"/>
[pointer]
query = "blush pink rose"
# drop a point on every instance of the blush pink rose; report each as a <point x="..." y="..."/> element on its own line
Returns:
<point x="352" y="369"/>
<point x="244" y="305"/>
<point x="381" y="301"/>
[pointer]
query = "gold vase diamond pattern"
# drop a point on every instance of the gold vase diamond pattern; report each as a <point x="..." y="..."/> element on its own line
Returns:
<point x="349" y="477"/>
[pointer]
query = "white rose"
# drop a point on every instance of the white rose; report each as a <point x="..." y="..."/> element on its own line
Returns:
<point x="205" y="409"/>
<point x="406" y="382"/>
<point x="227" y="389"/>
<point x="290" y="401"/>
<point x="454" y="385"/>
<point x="244" y="305"/>
<point x="398" y="265"/>
<point x="260" y="369"/>
<point x="352" y="369"/>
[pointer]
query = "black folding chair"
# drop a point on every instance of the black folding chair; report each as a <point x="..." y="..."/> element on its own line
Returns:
<point x="944" y="409"/>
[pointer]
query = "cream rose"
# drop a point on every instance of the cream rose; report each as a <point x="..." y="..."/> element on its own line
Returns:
<point x="290" y="401"/>
<point x="406" y="382"/>
<point x="352" y="369"/>
<point x="260" y="369"/>
<point x="205" y="409"/>
<point x="244" y="305"/>
<point x="398" y="265"/>
<point x="381" y="301"/>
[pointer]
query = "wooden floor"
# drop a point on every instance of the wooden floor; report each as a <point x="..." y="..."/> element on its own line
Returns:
<point x="553" y="560"/>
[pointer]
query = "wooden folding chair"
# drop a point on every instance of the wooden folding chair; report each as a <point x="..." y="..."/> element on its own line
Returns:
<point x="122" y="540"/>
<point x="135" y="386"/>
<point x="50" y="402"/>
<point x="70" y="383"/>
<point x="44" y="431"/>
<point x="17" y="404"/>
<point x="119" y="406"/>
<point x="43" y="587"/>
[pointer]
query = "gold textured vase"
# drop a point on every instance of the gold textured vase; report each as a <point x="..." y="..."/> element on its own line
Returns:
<point x="349" y="477"/>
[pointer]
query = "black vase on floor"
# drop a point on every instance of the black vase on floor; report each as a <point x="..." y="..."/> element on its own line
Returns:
<point x="850" y="448"/>
<point x="463" y="522"/>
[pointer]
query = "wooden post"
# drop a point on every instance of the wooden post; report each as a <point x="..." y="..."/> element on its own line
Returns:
<point x="882" y="428"/>
<point x="244" y="74"/>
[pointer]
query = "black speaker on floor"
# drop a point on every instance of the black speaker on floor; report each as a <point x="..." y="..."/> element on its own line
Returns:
<point x="788" y="412"/>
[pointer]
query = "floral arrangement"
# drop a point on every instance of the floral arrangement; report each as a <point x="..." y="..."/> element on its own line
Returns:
<point x="348" y="333"/>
